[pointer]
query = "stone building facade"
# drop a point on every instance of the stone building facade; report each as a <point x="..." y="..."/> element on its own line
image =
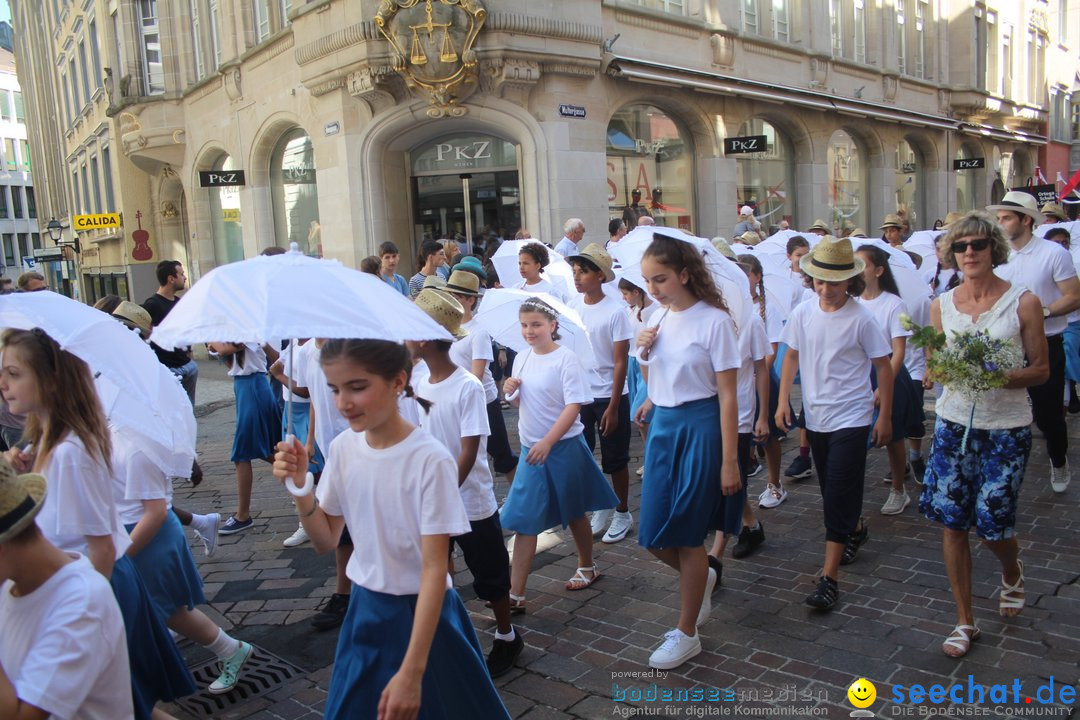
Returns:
<point x="339" y="124"/>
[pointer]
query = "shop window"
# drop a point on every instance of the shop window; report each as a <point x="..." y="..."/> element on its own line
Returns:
<point x="295" y="192"/>
<point x="225" y="219"/>
<point x="766" y="181"/>
<point x="847" y="183"/>
<point x="649" y="152"/>
<point x="909" y="184"/>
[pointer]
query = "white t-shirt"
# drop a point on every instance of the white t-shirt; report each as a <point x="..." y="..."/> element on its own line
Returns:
<point x="1039" y="266"/>
<point x="548" y="384"/>
<point x="691" y="346"/>
<point x="774" y="322"/>
<point x="390" y="497"/>
<point x="607" y="323"/>
<point x="545" y="285"/>
<point x="80" y="500"/>
<point x="637" y="325"/>
<point x="887" y="309"/>
<point x="309" y="374"/>
<point x="753" y="346"/>
<point x="254" y="361"/>
<point x="835" y="350"/>
<point x="135" y="478"/>
<point x="63" y="646"/>
<point x="476" y="346"/>
<point x="285" y="392"/>
<point x="458" y="411"/>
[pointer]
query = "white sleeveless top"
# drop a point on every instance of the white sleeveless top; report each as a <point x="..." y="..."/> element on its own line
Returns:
<point x="996" y="409"/>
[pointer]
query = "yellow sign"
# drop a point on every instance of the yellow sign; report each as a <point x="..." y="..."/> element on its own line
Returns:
<point x="97" y="222"/>
<point x="230" y="214"/>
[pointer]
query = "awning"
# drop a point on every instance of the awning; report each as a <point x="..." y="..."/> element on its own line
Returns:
<point x="656" y="73"/>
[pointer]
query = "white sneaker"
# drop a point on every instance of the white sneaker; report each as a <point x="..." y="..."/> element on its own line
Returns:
<point x="772" y="496"/>
<point x="676" y="649"/>
<point x="641" y="471"/>
<point x="706" y="601"/>
<point x="620" y="526"/>
<point x="297" y="538"/>
<point x="208" y="532"/>
<point x="599" y="521"/>
<point x="898" y="500"/>
<point x="1060" y="477"/>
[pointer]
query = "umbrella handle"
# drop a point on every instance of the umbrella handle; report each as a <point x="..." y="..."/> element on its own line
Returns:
<point x="303" y="490"/>
<point x="514" y="395"/>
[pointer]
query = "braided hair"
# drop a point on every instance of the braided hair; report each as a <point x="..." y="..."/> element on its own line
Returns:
<point x="750" y="264"/>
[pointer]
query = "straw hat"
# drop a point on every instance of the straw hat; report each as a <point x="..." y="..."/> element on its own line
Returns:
<point x="472" y="264"/>
<point x="722" y="245"/>
<point x="21" y="498"/>
<point x="599" y="257"/>
<point x="463" y="282"/>
<point x="857" y="232"/>
<point x="444" y="310"/>
<point x="434" y="282"/>
<point x="893" y="220"/>
<point x="135" y="315"/>
<point x="749" y="238"/>
<point x="1055" y="210"/>
<point x="1019" y="202"/>
<point x="820" y="225"/>
<point x="951" y="217"/>
<point x="832" y="260"/>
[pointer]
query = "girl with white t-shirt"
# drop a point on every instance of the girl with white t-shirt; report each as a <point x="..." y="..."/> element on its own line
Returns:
<point x="475" y="353"/>
<point x="882" y="298"/>
<point x="159" y="549"/>
<point x="640" y="307"/>
<point x="833" y="343"/>
<point x="692" y="483"/>
<point x="557" y="480"/>
<point x="258" y="421"/>
<point x="407" y="642"/>
<point x="532" y="259"/>
<point x="69" y="444"/>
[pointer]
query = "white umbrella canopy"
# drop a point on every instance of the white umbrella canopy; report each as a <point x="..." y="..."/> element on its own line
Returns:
<point x="914" y="291"/>
<point x="498" y="314"/>
<point x="1073" y="227"/>
<point x="729" y="277"/>
<point x="505" y="261"/>
<point x="924" y="243"/>
<point x="281" y="297"/>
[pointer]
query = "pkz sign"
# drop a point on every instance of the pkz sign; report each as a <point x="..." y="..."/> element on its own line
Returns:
<point x="746" y="144"/>
<point x="968" y="163"/>
<point x="221" y="178"/>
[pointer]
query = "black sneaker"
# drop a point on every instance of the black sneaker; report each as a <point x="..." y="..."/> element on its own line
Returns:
<point x="749" y="539"/>
<point x="801" y="467"/>
<point x="918" y="469"/>
<point x="715" y="564"/>
<point x="1074" y="401"/>
<point x="855" y="541"/>
<point x="754" y="469"/>
<point x="825" y="596"/>
<point x="332" y="613"/>
<point x="503" y="654"/>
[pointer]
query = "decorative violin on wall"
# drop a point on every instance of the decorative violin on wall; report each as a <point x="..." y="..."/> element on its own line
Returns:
<point x="142" y="251"/>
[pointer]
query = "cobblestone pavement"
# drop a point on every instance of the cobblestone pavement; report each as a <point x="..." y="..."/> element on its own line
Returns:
<point x="767" y="654"/>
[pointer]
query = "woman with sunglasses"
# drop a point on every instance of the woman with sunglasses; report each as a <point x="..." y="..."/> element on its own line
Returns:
<point x="980" y="450"/>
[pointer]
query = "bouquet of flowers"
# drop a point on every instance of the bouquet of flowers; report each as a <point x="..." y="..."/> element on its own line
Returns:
<point x="972" y="363"/>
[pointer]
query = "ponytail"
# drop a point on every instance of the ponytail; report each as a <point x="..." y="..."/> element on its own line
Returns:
<point x="749" y="264"/>
<point x="384" y="358"/>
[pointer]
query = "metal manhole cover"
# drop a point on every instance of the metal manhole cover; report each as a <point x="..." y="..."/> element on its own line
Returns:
<point x="262" y="673"/>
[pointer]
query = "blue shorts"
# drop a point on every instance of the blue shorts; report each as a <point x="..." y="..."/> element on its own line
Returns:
<point x="977" y="484"/>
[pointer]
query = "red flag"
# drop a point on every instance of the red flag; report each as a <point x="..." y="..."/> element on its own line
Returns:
<point x="1073" y="183"/>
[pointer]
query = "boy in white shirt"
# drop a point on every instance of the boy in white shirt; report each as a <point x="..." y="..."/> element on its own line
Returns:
<point x="457" y="418"/>
<point x="63" y="652"/>
<point x="610" y="332"/>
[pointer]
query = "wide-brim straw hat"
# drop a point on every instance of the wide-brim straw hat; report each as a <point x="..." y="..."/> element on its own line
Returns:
<point x="434" y="282"/>
<point x="444" y="310"/>
<point x="722" y="245"/>
<point x="1019" y="202"/>
<point x="857" y="232"/>
<point x="136" y="315"/>
<point x="463" y="282"/>
<point x="951" y="217"/>
<point x="832" y="260"/>
<point x="599" y="257"/>
<point x="892" y="220"/>
<point x="1054" y="209"/>
<point x="820" y="225"/>
<point x="21" y="498"/>
<point x="749" y="238"/>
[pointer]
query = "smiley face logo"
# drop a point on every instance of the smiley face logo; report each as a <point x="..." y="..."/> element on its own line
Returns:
<point x="862" y="693"/>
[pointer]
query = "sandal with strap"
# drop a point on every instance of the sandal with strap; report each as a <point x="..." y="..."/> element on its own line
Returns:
<point x="1012" y="596"/>
<point x="517" y="604"/>
<point x="579" y="581"/>
<point x="855" y="540"/>
<point x="959" y="641"/>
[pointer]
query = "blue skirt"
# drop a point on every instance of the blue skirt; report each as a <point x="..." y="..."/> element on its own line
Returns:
<point x="372" y="644"/>
<point x="1071" y="340"/>
<point x="168" y="571"/>
<point x="681" y="499"/>
<point x="158" y="672"/>
<point x="639" y="391"/>
<point x="564" y="488"/>
<point x="908" y="416"/>
<point x="258" y="419"/>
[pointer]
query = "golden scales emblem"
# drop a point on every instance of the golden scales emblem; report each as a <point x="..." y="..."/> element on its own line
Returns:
<point x="433" y="46"/>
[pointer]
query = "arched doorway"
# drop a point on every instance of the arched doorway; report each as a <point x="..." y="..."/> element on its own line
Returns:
<point x="226" y="226"/>
<point x="847" y="183"/>
<point x="910" y="183"/>
<point x="295" y="193"/>
<point x="766" y="181"/>
<point x="967" y="180"/>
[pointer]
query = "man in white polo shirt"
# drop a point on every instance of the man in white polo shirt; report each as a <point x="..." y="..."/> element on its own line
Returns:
<point x="1046" y="269"/>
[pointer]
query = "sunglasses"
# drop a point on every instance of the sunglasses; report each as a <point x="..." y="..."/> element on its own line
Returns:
<point x="959" y="248"/>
